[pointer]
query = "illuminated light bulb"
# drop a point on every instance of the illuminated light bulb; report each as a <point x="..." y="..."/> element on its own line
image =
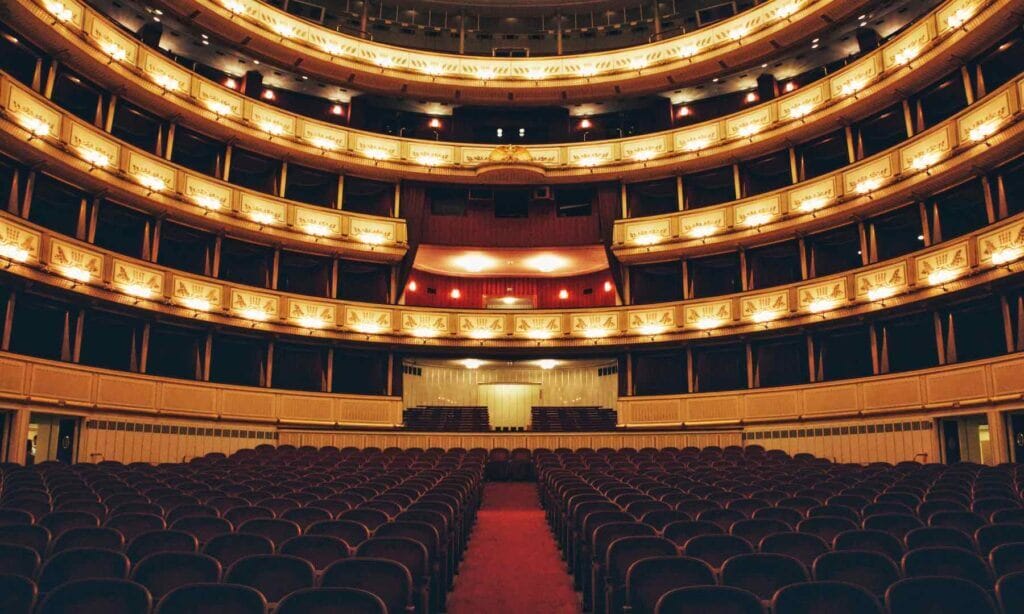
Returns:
<point x="196" y="303"/>
<point x="867" y="185"/>
<point x="586" y="124"/>
<point x="434" y="70"/>
<point x="651" y="329"/>
<point x="167" y="82"/>
<point x="941" y="276"/>
<point x="429" y="160"/>
<point x="751" y="97"/>
<point x="456" y="293"/>
<point x="480" y="334"/>
<point x="508" y="300"/>
<point x="310" y="322"/>
<point x="59" y="11"/>
<point x="538" y="334"/>
<point x="271" y="128"/>
<point x="703" y="230"/>
<point x="262" y="218"/>
<point x="748" y="130"/>
<point x="708" y="322"/>
<point x="209" y="203"/>
<point x="217" y="107"/>
<point x="230" y="83"/>
<point x="376" y="153"/>
<point x="757" y="219"/>
<point x="588" y="161"/>
<point x="152" y="183"/>
<point x="137" y="290"/>
<point x="684" y="111"/>
<point x="595" y="333"/>
<point x="764" y="315"/>
<point x="547" y="363"/>
<point x="412" y="286"/>
<point x="423" y="331"/>
<point x="801" y="110"/>
<point x="638" y="63"/>
<point x="790" y="86"/>
<point x="332" y="49"/>
<point x="851" y="88"/>
<point x="1006" y="254"/>
<point x="284" y="30"/>
<point x="253" y="313"/>
<point x="434" y="123"/>
<point x="648" y="239"/>
<point x="485" y="74"/>
<point x="982" y="132"/>
<point x="336" y="109"/>
<point x="13" y="252"/>
<point x="688" y="51"/>
<point x="384" y="61"/>
<point x="472" y="363"/>
<point x="322" y="143"/>
<point x="924" y="161"/>
<point x="905" y="56"/>
<point x="812" y="204"/>
<point x="76" y="273"/>
<point x="116" y="52"/>
<point x="644" y="154"/>
<point x="34" y="125"/>
<point x="821" y="304"/>
<point x="959" y="17"/>
<point x="371" y="238"/>
<point x="563" y="294"/>
<point x="608" y="286"/>
<point x="588" y="71"/>
<point x="696" y="145"/>
<point x="788" y="10"/>
<point x="95" y="158"/>
<point x="317" y="229"/>
<point x="268" y="95"/>
<point x="737" y="33"/>
<point x="369" y="329"/>
<point x="880" y="292"/>
<point x="234" y="6"/>
<point x="535" y="74"/>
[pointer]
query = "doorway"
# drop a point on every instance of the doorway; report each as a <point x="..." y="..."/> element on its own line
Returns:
<point x="965" y="438"/>
<point x="508" y="405"/>
<point x="1015" y="426"/>
<point x="51" y="437"/>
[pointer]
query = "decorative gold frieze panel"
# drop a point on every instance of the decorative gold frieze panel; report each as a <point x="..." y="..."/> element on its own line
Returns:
<point x="763" y="308"/>
<point x="944" y="265"/>
<point x="137" y="281"/>
<point x="882" y="282"/>
<point x="1002" y="246"/>
<point x="17" y="243"/>
<point x="983" y="121"/>
<point x="651" y="321"/>
<point x="425" y="324"/>
<point x="595" y="325"/>
<point x="196" y="294"/>
<point x="369" y="320"/>
<point x="822" y="296"/>
<point x="263" y="211"/>
<point x="75" y="263"/>
<point x="311" y="314"/>
<point x="709" y="315"/>
<point x="255" y="306"/>
<point x="481" y="326"/>
<point x="538" y="326"/>
<point x="648" y="232"/>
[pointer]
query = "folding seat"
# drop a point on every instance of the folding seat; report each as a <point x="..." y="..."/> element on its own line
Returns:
<point x="1004" y="516"/>
<point x="938" y="595"/>
<point x="188" y="510"/>
<point x="92" y="507"/>
<point x="682" y="531"/>
<point x="212" y="599"/>
<point x="18" y="560"/>
<point x="58" y="522"/>
<point x="877" y="509"/>
<point x="333" y="508"/>
<point x="824" y="598"/>
<point x="12" y="516"/>
<point x="37" y="506"/>
<point x="320" y="550"/>
<point x="348" y="531"/>
<point x="1010" y="593"/>
<point x="18" y="594"/>
<point x="769" y="495"/>
<point x="709" y="600"/>
<point x="578" y="553"/>
<point x="902" y="498"/>
<point x="426" y="535"/>
<point x="931" y="506"/>
<point x="622" y="553"/>
<point x="412" y="555"/>
<point x="825" y="527"/>
<point x="787" y="515"/>
<point x="722" y="517"/>
<point x="277" y="530"/>
<point x="872" y="571"/>
<point x="106" y="595"/>
<point x="160" y="541"/>
<point x="649" y="578"/>
<point x="871" y="540"/>
<point x="305" y="516"/>
<point x="277" y="505"/>
<point x="930" y="537"/>
<point x="80" y="564"/>
<point x="603" y="537"/>
<point x="840" y="511"/>
<point x="801" y="546"/>
<point x="234" y="546"/>
<point x="390" y="509"/>
<point x="854" y="502"/>
<point x="968" y="522"/>
<point x="163" y="572"/>
<point x="88" y="537"/>
<point x="942" y="561"/>
<point x="273" y="575"/>
<point x="897" y="525"/>
<point x="763" y="574"/>
<point x="387" y="579"/>
<point x="131" y="525"/>
<point x="659" y="519"/>
<point x="238" y="516"/>
<point x="1007" y="559"/>
<point x="694" y="508"/>
<point x="369" y="518"/>
<point x="716" y="549"/>
<point x="639" y="508"/>
<point x="331" y="601"/>
<point x="800" y="504"/>
<point x="754" y="530"/>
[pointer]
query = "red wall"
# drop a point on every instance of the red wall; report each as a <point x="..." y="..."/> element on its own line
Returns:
<point x="545" y="289"/>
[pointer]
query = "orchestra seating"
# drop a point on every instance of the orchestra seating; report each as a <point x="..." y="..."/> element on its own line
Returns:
<point x="559" y="419"/>
<point x="446" y="419"/>
<point x="745" y="530"/>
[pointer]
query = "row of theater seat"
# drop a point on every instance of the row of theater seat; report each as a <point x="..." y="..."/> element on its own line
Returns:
<point x="286" y="526"/>
<point x="447" y="419"/>
<point x="745" y="524"/>
<point x="570" y="419"/>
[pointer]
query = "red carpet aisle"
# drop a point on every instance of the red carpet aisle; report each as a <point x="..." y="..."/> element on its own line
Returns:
<point x="512" y="565"/>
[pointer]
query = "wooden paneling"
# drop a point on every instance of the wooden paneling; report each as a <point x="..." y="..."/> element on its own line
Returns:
<point x="910" y="438"/>
<point x="544" y="290"/>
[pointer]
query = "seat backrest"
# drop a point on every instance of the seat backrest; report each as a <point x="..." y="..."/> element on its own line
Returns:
<point x="305" y="516"/>
<point x="756" y="529"/>
<point x="762" y="573"/>
<point x="716" y="549"/>
<point x="938" y="595"/>
<point x="389" y="580"/>
<point x="1006" y="559"/>
<point x="870" y="539"/>
<point x="831" y="597"/>
<point x="213" y="599"/>
<point x="88" y="537"/>
<point x="107" y="595"/>
<point x="165" y="571"/>
<point x="1010" y="592"/>
<point x="945" y="561"/>
<point x="320" y="550"/>
<point x="989" y="536"/>
<point x="18" y="594"/>
<point x="161" y="541"/>
<point x="409" y="552"/>
<point x="872" y="571"/>
<point x="204" y="528"/>
<point x="418" y="531"/>
<point x="801" y="546"/>
<point x="133" y="524"/>
<point x="277" y="530"/>
<point x="897" y="525"/>
<point x="81" y="564"/>
<point x="19" y="560"/>
<point x="930" y="537"/>
<point x="367" y="517"/>
<point x="273" y="575"/>
<point x="351" y="532"/>
<point x="717" y="599"/>
<point x="682" y="531"/>
<point x="649" y="578"/>
<point x="787" y="515"/>
<point x="625" y="551"/>
<point x="33" y="536"/>
<point x="61" y="521"/>
<point x="825" y="527"/>
<point x="331" y="601"/>
<point x="229" y="548"/>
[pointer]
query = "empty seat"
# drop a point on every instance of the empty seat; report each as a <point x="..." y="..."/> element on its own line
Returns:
<point x="386" y="579"/>
<point x="213" y="599"/>
<point x="650" y="578"/>
<point x="163" y="572"/>
<point x="273" y="575"/>
<point x="18" y="594"/>
<point x="1010" y="593"/>
<point x="331" y="601"/>
<point x="967" y="522"/>
<point x="132" y="525"/>
<point x="18" y="560"/>
<point x="824" y="598"/>
<point x="348" y="531"/>
<point x="412" y="555"/>
<point x="930" y="537"/>
<point x="277" y="530"/>
<point x="160" y="541"/>
<point x="872" y="571"/>
<point x="320" y="550"/>
<point x="306" y="516"/>
<point x="801" y="546"/>
<point x="32" y="536"/>
<point x="203" y="528"/>
<point x="942" y="561"/>
<point x="682" y="531"/>
<point x="762" y="574"/>
<point x="937" y="595"/>
<point x="12" y="516"/>
<point x="88" y="537"/>
<point x="787" y="515"/>
<point x="715" y="549"/>
<point x="61" y="521"/>
<point x="622" y="553"/>
<point x="709" y="600"/>
<point x="897" y="525"/>
<point x="724" y="518"/>
<point x="755" y="529"/>
<point x="90" y="596"/>
<point x="990" y="536"/>
<point x="1008" y="558"/>
<point x="238" y="516"/>
<point x="80" y="564"/>
<point x="825" y="527"/>
<point x="234" y="546"/>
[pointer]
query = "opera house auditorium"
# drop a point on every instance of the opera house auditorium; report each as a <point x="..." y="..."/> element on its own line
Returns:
<point x="512" y="307"/>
